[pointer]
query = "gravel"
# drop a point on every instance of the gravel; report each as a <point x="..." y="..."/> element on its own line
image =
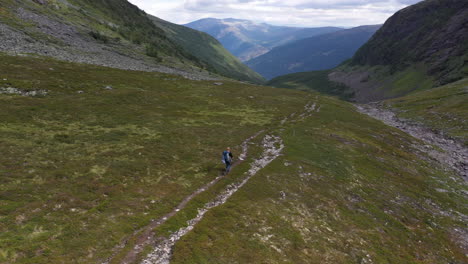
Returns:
<point x="453" y="155"/>
<point x="67" y="42"/>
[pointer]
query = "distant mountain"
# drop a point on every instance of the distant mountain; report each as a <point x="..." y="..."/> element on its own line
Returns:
<point x="114" y="34"/>
<point x="246" y="39"/>
<point x="209" y="50"/>
<point x="420" y="47"/>
<point x="316" y="53"/>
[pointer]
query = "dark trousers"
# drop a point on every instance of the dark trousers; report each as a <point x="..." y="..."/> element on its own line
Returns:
<point x="228" y="166"/>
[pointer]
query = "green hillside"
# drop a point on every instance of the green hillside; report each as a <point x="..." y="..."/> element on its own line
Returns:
<point x="209" y="50"/>
<point x="91" y="155"/>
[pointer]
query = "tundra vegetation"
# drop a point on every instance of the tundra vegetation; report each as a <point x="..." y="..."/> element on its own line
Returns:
<point x="104" y="151"/>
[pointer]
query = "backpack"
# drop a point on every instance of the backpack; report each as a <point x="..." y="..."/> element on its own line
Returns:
<point x="226" y="158"/>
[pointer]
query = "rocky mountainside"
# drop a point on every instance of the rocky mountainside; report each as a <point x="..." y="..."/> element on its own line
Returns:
<point x="109" y="33"/>
<point x="433" y="33"/>
<point x="316" y="53"/>
<point x="247" y="40"/>
<point x="418" y="48"/>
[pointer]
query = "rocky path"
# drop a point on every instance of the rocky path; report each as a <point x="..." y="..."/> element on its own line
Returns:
<point x="146" y="236"/>
<point x="162" y="252"/>
<point x="453" y="155"/>
<point x="272" y="147"/>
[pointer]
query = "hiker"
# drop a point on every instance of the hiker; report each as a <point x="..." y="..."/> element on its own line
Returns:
<point x="227" y="159"/>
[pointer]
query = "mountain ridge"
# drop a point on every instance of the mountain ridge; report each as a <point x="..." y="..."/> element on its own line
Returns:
<point x="320" y="52"/>
<point x="420" y="47"/>
<point x="247" y="39"/>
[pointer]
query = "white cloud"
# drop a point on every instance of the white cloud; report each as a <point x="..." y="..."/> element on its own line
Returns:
<point x="347" y="13"/>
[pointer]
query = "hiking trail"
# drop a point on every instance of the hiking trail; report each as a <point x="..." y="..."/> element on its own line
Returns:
<point x="146" y="236"/>
<point x="162" y="252"/>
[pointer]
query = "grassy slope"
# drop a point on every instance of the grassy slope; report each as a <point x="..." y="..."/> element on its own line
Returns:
<point x="443" y="108"/>
<point x="79" y="171"/>
<point x="208" y="49"/>
<point x="355" y="192"/>
<point x="312" y="81"/>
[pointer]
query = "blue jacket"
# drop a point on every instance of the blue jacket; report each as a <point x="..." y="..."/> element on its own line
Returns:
<point x="227" y="156"/>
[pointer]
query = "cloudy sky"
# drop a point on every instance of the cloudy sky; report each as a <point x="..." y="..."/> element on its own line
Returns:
<point x="311" y="13"/>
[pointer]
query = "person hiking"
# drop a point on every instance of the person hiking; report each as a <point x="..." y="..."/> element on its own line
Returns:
<point x="227" y="159"/>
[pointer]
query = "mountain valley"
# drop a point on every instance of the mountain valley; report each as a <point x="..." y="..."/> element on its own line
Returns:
<point x="113" y="122"/>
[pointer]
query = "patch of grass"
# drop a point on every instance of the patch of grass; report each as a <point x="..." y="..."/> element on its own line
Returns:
<point x="84" y="166"/>
<point x="410" y="80"/>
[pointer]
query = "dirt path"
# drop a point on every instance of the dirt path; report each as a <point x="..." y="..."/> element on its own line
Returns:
<point x="454" y="155"/>
<point x="163" y="250"/>
<point x="145" y="236"/>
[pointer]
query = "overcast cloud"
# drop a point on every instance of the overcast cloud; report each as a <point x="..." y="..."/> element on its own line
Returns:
<point x="310" y="13"/>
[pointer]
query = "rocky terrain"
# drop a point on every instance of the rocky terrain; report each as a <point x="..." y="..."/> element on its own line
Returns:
<point x="66" y="42"/>
<point x="447" y="151"/>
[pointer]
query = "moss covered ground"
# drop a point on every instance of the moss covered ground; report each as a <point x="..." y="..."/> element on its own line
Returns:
<point x="347" y="190"/>
<point x="83" y="167"/>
